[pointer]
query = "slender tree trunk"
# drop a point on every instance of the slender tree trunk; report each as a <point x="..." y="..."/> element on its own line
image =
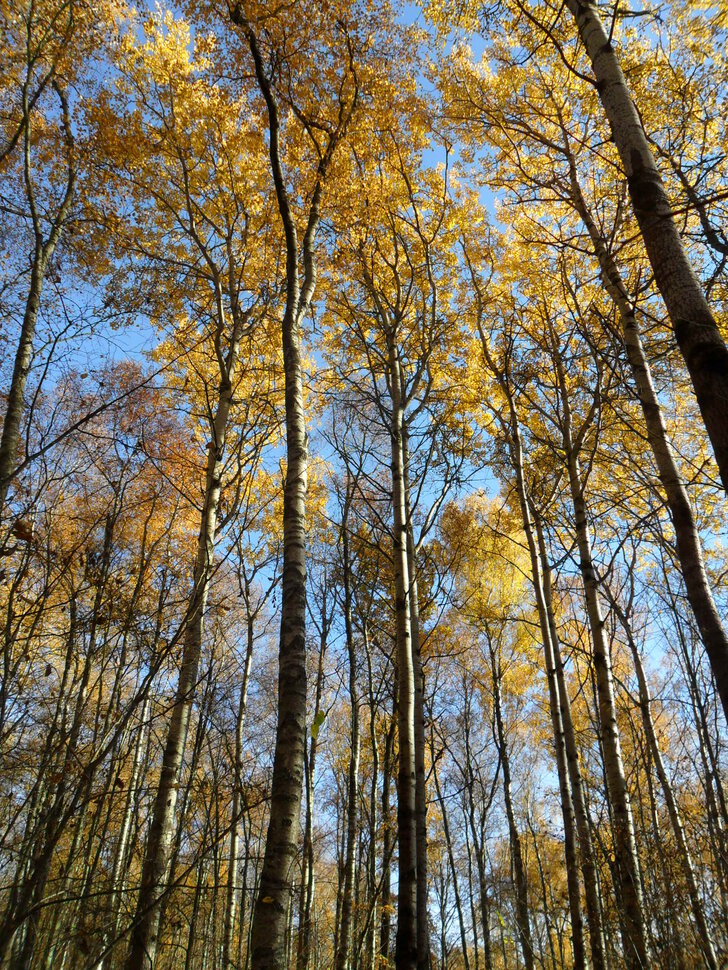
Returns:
<point x="145" y="932"/>
<point x="406" y="944"/>
<point x="453" y="868"/>
<point x="346" y="928"/>
<point x="424" y="959"/>
<point x="581" y="812"/>
<point x="557" y="720"/>
<point x="232" y="889"/>
<point x="715" y="796"/>
<point x="195" y="915"/>
<point x="519" y="870"/>
<point x="372" y="887"/>
<point x="43" y="250"/>
<point x="573" y="801"/>
<point x="308" y="875"/>
<point x="546" y="900"/>
<point x="696" y="331"/>
<point x="689" y="550"/>
<point x="122" y="845"/>
<point x="571" y="853"/>
<point x="472" y="896"/>
<point x="482" y="887"/>
<point x="625" y="848"/>
<point x="385" y="927"/>
<point x="274" y="901"/>
<point x="244" y="932"/>
<point x="686" y="863"/>
<point x="478" y="827"/>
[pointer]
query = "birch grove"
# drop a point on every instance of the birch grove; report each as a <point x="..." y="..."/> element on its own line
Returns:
<point x="363" y="573"/>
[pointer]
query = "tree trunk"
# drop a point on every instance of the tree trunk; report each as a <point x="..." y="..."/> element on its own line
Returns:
<point x="519" y="870"/>
<point x="346" y="928"/>
<point x="424" y="959"/>
<point x="557" y="720"/>
<point x="122" y="845"/>
<point x="385" y="926"/>
<point x="145" y="932"/>
<point x="581" y="812"/>
<point x="406" y="943"/>
<point x="686" y="863"/>
<point x="697" y="334"/>
<point x="689" y="550"/>
<point x="43" y="251"/>
<point x="451" y="861"/>
<point x="274" y="900"/>
<point x="625" y="848"/>
<point x="232" y="889"/>
<point x="369" y="960"/>
<point x="563" y="726"/>
<point x="308" y="874"/>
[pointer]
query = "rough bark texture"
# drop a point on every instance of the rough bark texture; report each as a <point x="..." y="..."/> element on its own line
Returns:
<point x="274" y="901"/>
<point x="270" y="917"/>
<point x="276" y="880"/>
<point x="697" y="334"/>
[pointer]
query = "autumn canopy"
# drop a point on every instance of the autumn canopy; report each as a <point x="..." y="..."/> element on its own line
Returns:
<point x="363" y="485"/>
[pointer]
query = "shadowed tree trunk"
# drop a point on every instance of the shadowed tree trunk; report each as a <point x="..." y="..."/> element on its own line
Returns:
<point x="308" y="872"/>
<point x="423" y="919"/>
<point x="696" y="331"/>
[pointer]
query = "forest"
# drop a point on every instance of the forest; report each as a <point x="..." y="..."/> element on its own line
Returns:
<point x="363" y="479"/>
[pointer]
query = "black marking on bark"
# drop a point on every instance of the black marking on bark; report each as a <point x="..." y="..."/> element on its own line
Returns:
<point x="645" y="185"/>
<point x="704" y="355"/>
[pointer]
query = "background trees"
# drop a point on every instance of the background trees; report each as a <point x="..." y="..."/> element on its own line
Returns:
<point x="362" y="567"/>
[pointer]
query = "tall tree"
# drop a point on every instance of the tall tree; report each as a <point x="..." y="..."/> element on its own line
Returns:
<point x="324" y="114"/>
